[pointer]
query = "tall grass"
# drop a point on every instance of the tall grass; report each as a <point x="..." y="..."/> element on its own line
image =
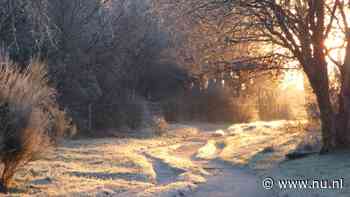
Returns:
<point x="271" y="107"/>
<point x="27" y="104"/>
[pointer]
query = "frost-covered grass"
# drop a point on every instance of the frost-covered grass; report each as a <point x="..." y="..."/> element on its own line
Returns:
<point x="89" y="167"/>
<point x="316" y="167"/>
<point x="261" y="145"/>
<point x="97" y="167"/>
<point x="179" y="161"/>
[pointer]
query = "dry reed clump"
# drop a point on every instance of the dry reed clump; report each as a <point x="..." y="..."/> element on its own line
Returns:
<point x="26" y="123"/>
<point x="243" y="110"/>
<point x="271" y="107"/>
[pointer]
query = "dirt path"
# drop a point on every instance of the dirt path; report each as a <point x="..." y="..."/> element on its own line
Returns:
<point x="224" y="180"/>
<point x="227" y="180"/>
<point x="232" y="183"/>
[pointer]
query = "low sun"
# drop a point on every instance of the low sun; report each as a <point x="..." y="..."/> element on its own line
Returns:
<point x="336" y="47"/>
<point x="295" y="78"/>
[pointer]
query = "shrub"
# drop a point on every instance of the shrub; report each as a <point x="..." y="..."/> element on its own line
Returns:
<point x="128" y="114"/>
<point x="213" y="105"/>
<point x="60" y="125"/>
<point x="159" y="125"/>
<point x="26" y="101"/>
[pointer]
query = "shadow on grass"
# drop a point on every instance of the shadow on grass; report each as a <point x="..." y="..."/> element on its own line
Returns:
<point x="111" y="176"/>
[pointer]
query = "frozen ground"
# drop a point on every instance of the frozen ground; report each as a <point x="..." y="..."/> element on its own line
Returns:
<point x="192" y="159"/>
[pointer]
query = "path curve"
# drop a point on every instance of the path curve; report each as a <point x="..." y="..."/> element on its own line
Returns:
<point x="226" y="181"/>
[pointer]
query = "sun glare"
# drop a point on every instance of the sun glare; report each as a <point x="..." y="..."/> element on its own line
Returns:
<point x="293" y="79"/>
<point x="335" y="45"/>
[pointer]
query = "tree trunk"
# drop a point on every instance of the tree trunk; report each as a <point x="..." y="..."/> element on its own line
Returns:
<point x="335" y="126"/>
<point x="342" y="121"/>
<point x="3" y="188"/>
<point x="343" y="126"/>
<point x="319" y="84"/>
<point x="316" y="69"/>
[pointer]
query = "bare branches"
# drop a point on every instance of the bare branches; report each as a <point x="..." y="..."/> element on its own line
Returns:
<point x="343" y="15"/>
<point x="332" y="16"/>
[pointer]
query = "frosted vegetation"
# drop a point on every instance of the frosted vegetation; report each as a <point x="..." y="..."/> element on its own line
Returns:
<point x="172" y="98"/>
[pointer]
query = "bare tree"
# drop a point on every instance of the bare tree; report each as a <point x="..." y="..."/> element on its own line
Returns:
<point x="299" y="29"/>
<point x="302" y="27"/>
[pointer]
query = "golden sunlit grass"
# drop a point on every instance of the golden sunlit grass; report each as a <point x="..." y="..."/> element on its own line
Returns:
<point x="248" y="142"/>
<point x="209" y="151"/>
<point x="94" y="166"/>
<point x="83" y="167"/>
<point x="141" y="167"/>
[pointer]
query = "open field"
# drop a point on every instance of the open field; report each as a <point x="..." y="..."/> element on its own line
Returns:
<point x="188" y="161"/>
